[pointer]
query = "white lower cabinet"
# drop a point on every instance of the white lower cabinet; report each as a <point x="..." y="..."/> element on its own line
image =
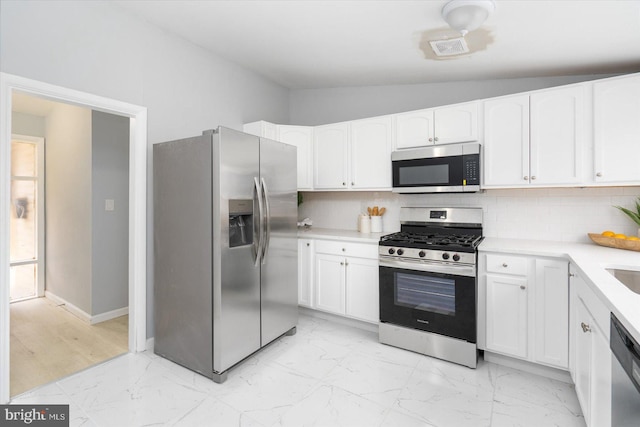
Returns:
<point x="590" y="365"/>
<point x="525" y="308"/>
<point x="346" y="279"/>
<point x="305" y="272"/>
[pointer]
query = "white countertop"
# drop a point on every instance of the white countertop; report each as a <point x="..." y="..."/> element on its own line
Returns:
<point x="342" y="235"/>
<point x="592" y="260"/>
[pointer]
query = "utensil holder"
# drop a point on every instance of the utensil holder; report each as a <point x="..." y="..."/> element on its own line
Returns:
<point x="376" y="224"/>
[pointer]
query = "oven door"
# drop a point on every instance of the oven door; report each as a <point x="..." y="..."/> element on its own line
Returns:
<point x="429" y="297"/>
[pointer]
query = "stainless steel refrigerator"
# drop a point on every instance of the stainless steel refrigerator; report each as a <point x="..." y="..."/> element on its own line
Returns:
<point x="225" y="248"/>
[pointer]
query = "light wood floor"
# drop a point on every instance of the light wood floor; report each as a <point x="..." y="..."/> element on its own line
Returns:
<point x="48" y="343"/>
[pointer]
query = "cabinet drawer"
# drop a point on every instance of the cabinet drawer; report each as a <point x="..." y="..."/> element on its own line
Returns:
<point x="335" y="247"/>
<point x="506" y="264"/>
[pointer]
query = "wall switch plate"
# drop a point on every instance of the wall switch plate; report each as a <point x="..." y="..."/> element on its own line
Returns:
<point x="109" y="205"/>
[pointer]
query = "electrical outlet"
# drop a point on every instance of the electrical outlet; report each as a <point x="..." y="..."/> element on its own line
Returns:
<point x="109" y="205"/>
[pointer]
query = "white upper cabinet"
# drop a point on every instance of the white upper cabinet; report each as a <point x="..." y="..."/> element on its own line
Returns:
<point x="262" y="128"/>
<point x="617" y="130"/>
<point x="506" y="141"/>
<point x="535" y="140"/>
<point x="331" y="154"/>
<point x="443" y="125"/>
<point x="302" y="138"/>
<point x="371" y="153"/>
<point x="414" y="129"/>
<point x="557" y="136"/>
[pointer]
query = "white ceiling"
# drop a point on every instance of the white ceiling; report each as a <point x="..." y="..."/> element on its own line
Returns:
<point x="319" y="44"/>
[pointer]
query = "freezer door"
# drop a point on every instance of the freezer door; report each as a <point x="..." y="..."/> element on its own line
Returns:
<point x="236" y="275"/>
<point x="182" y="252"/>
<point x="279" y="266"/>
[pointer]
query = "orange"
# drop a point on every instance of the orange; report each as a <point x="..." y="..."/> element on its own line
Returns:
<point x="608" y="233"/>
<point x="633" y="238"/>
<point x="620" y="236"/>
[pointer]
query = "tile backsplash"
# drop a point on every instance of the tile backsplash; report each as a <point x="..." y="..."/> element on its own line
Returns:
<point x="561" y="214"/>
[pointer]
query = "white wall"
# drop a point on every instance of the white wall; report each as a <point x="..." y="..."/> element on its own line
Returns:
<point x="110" y="229"/>
<point x="28" y="124"/>
<point x="68" y="205"/>
<point x="323" y="106"/>
<point x="561" y="214"/>
<point x="98" y="48"/>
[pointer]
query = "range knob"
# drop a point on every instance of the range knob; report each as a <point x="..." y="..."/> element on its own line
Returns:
<point x="456" y="257"/>
<point x="400" y="251"/>
<point x="391" y="251"/>
<point x="445" y="256"/>
<point x="421" y="254"/>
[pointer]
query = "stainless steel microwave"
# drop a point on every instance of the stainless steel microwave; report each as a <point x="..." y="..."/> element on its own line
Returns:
<point x="452" y="168"/>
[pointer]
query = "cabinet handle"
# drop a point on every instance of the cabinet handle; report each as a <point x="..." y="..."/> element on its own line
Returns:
<point x="599" y="174"/>
<point x="344" y="183"/>
<point x="436" y="138"/>
<point x="346" y="263"/>
<point x="523" y="287"/>
<point x="344" y="250"/>
<point x="585" y="328"/>
<point x="308" y="244"/>
<point x="353" y="183"/>
<point x="342" y="263"/>
<point x="430" y="139"/>
<point x="504" y="264"/>
<point x="533" y="177"/>
<point x="572" y="275"/>
<point x="526" y="178"/>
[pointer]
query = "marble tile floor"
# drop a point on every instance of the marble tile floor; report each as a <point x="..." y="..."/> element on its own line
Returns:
<point x="328" y="374"/>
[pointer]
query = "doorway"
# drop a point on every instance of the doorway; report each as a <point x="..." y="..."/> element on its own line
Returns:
<point x="136" y="209"/>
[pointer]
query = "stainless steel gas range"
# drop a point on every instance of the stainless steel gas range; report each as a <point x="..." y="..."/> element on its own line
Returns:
<point x="428" y="283"/>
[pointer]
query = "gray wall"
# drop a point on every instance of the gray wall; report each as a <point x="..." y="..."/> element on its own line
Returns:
<point x="28" y="124"/>
<point x="110" y="229"/>
<point x="68" y="205"/>
<point x="98" y="48"/>
<point x="323" y="106"/>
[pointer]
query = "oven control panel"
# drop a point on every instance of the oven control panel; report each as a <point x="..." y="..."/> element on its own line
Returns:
<point x="427" y="255"/>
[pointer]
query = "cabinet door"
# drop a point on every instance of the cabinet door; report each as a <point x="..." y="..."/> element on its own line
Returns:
<point x="362" y="289"/>
<point x="261" y="128"/>
<point x="582" y="375"/>
<point x="414" y="129"/>
<point x="371" y="153"/>
<point x="302" y="138"/>
<point x="507" y="315"/>
<point x="600" y="379"/>
<point x="616" y="123"/>
<point x="457" y="123"/>
<point x="305" y="272"/>
<point x="551" y="327"/>
<point x="557" y="136"/>
<point x="330" y="283"/>
<point x="506" y="142"/>
<point x="330" y="148"/>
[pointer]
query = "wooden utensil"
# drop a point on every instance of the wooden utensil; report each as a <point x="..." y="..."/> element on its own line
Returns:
<point x="382" y="211"/>
<point x="369" y="210"/>
<point x="375" y="211"/>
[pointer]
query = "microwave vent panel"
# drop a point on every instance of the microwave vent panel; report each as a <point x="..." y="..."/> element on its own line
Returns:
<point x="449" y="47"/>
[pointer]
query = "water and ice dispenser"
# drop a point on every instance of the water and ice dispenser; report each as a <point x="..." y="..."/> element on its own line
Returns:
<point x="240" y="222"/>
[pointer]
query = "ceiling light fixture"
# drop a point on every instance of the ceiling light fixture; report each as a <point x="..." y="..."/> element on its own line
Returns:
<point x="467" y="15"/>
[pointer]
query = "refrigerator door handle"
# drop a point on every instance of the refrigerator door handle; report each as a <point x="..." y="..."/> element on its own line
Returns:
<point x="267" y="217"/>
<point x="257" y="223"/>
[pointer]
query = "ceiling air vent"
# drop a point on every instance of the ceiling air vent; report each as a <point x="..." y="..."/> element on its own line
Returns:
<point x="449" y="47"/>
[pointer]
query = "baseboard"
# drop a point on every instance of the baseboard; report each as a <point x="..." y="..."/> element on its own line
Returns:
<point x="533" y="368"/>
<point x="80" y="314"/>
<point x="109" y="315"/>
<point x="371" y="327"/>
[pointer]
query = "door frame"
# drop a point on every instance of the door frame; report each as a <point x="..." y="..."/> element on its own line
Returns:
<point x="137" y="204"/>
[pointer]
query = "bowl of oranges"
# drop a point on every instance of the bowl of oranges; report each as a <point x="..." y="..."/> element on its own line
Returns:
<point x="612" y="239"/>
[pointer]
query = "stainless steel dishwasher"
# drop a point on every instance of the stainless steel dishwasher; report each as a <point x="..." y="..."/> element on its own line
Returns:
<point x="625" y="377"/>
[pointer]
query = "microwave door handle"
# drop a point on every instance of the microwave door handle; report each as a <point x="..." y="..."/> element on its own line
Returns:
<point x="257" y="223"/>
<point x="267" y="217"/>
